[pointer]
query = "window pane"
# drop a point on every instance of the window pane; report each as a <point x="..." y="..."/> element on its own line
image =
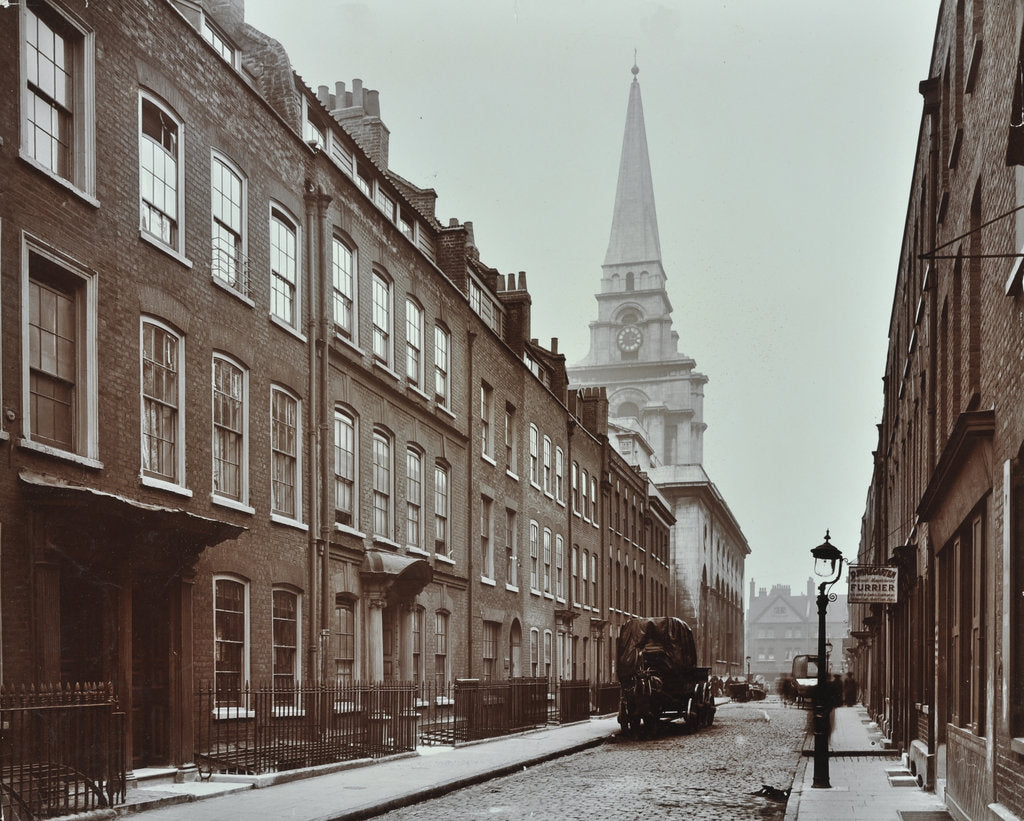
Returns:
<point x="159" y="402"/>
<point x="283" y="267"/>
<point x="284" y="453"/>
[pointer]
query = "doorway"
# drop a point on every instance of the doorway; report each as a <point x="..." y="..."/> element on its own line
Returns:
<point x="150" y="674"/>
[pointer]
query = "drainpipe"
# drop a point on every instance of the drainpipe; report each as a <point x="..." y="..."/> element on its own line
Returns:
<point x="326" y="419"/>
<point x="314" y="282"/>
<point x="311" y="426"/>
<point x="470" y="552"/>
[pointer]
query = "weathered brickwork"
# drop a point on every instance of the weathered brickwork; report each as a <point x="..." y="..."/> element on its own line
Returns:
<point x="946" y="481"/>
<point x="400" y="550"/>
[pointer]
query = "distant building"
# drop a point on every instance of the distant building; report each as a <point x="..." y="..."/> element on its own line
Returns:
<point x="656" y="401"/>
<point x="781" y="625"/>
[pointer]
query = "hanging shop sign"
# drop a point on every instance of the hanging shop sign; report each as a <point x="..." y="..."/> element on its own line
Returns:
<point x="871" y="584"/>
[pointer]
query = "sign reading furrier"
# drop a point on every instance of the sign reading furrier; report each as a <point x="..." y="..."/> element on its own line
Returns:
<point x="871" y="583"/>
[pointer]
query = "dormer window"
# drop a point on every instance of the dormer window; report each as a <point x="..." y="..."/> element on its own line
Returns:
<point x="216" y="38"/>
<point x="312" y="133"/>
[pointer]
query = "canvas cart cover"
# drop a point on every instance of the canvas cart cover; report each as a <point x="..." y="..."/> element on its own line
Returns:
<point x="666" y="642"/>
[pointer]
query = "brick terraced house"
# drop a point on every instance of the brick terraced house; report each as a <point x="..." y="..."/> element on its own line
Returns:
<point x="944" y="665"/>
<point x="264" y="416"/>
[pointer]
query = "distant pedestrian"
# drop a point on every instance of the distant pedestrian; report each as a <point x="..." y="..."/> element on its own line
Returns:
<point x="850" y="689"/>
<point x="834" y="700"/>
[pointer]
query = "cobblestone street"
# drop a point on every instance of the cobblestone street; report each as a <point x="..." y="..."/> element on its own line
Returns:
<point x="711" y="775"/>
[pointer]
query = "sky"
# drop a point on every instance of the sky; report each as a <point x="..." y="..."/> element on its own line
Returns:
<point x="781" y="135"/>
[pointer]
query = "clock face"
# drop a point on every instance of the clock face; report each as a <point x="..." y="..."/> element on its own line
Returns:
<point x="629" y="338"/>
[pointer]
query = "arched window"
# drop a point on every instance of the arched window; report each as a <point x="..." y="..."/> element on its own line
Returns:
<point x="231" y="638"/>
<point x="160" y="172"/>
<point x="344" y="286"/>
<point x="382" y="484"/>
<point x="382" y="319"/>
<point x="414" y="497"/>
<point x="230" y="429"/>
<point x="285" y="611"/>
<point x="284" y="267"/>
<point x="345" y="456"/>
<point x="414" y="343"/>
<point x="629" y="281"/>
<point x="228" y="193"/>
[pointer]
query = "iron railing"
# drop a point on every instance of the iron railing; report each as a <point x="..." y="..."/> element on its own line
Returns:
<point x="604" y="698"/>
<point x="261" y="729"/>
<point x="61" y="750"/>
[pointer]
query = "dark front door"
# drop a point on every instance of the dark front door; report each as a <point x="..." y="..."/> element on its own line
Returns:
<point x="150" y="674"/>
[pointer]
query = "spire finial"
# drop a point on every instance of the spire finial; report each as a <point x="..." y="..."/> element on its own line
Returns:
<point x="635" y="69"/>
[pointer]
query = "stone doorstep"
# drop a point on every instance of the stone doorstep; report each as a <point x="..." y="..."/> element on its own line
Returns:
<point x="900" y="777"/>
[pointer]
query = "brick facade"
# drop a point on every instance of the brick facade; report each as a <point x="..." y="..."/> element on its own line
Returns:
<point x="943" y="665"/>
<point x="223" y="549"/>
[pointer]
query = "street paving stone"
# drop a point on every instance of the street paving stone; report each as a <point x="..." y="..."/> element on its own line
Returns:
<point x="714" y="774"/>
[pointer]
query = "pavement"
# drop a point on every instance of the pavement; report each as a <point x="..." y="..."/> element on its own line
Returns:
<point x="868" y="782"/>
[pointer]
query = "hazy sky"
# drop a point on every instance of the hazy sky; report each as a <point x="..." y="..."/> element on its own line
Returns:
<point x="781" y="136"/>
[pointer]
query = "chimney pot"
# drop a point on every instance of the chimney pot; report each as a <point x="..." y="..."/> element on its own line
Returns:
<point x="372" y="102"/>
<point x="357" y="93"/>
<point x="554" y="344"/>
<point x="323" y="94"/>
<point x="522" y="280"/>
<point x="339" y="94"/>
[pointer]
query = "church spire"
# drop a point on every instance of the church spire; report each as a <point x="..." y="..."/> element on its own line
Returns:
<point x="634" y="235"/>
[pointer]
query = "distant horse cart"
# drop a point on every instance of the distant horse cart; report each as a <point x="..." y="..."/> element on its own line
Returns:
<point x="659" y="677"/>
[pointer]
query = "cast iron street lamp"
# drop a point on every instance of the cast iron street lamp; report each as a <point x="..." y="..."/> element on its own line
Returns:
<point x="828" y="564"/>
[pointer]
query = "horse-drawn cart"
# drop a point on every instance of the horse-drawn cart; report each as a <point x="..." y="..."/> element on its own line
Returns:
<point x="659" y="677"/>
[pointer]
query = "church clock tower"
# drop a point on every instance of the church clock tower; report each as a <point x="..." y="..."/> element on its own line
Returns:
<point x="656" y="410"/>
<point x="633" y="348"/>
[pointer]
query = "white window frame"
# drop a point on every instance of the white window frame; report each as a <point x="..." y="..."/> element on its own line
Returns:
<point x="243" y="468"/>
<point x="81" y="176"/>
<point x="176" y="243"/>
<point x="487" y="421"/>
<point x="229" y="271"/>
<point x="85" y="445"/>
<point x="383" y="342"/>
<point x="218" y="40"/>
<point x="511" y="454"/>
<point x="442" y="510"/>
<point x="278" y="514"/>
<point x="547" y="560"/>
<point x="559" y="566"/>
<point x="442" y="647"/>
<point x="383" y="486"/>
<point x="546" y="465"/>
<point x="511" y="549"/>
<point x="151" y="478"/>
<point x="442" y="366"/>
<point x="534" y="456"/>
<point x="246" y="637"/>
<point x="414" y="497"/>
<point x="278" y="273"/>
<point x="345" y="287"/>
<point x="296" y="671"/>
<point x="414" y="343"/>
<point x="342" y="414"/>
<point x="486" y="539"/>
<point x="534" y="556"/>
<point x="559" y="475"/>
